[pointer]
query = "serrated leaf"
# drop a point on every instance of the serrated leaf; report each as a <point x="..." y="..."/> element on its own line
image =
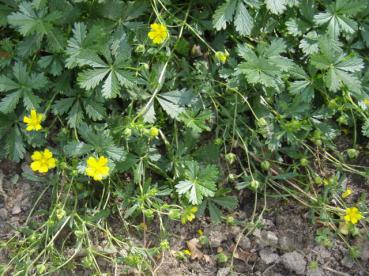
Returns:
<point x="200" y="182"/>
<point x="243" y="20"/>
<point x="75" y="149"/>
<point x="224" y="14"/>
<point x="15" y="145"/>
<point x="276" y="6"/>
<point x="9" y="102"/>
<point x="91" y="78"/>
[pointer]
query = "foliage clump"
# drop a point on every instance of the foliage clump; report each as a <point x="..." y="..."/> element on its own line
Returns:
<point x="164" y="110"/>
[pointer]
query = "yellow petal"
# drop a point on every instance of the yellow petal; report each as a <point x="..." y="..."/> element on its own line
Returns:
<point x="33" y="113"/>
<point x="26" y="119"/>
<point x="43" y="169"/>
<point x="90" y="171"/>
<point x="102" y="161"/>
<point x="91" y="161"/>
<point x="51" y="163"/>
<point x="35" y="166"/>
<point x="37" y="155"/>
<point x="98" y="177"/>
<point x="47" y="154"/>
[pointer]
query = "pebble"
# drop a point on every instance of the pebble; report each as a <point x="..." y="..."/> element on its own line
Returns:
<point x="245" y="243"/>
<point x="347" y="262"/>
<point x="294" y="261"/>
<point x="216" y="237"/>
<point x="269" y="238"/>
<point x="315" y="272"/>
<point x="3" y="214"/>
<point x="16" y="210"/>
<point x="224" y="271"/>
<point x="268" y="256"/>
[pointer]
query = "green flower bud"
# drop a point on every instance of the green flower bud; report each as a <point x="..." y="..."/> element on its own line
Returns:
<point x="265" y="165"/>
<point x="254" y="184"/>
<point x="164" y="245"/>
<point x="154" y="132"/>
<point x="304" y="162"/>
<point x="203" y="240"/>
<point x="352" y="153"/>
<point x="174" y="214"/>
<point x="60" y="213"/>
<point x="140" y="48"/>
<point x="148" y="213"/>
<point x="127" y="132"/>
<point x="221" y="258"/>
<point x="41" y="268"/>
<point x="318" y="180"/>
<point x="230" y="157"/>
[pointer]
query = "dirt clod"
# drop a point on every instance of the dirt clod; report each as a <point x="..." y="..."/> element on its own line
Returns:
<point x="294" y="262"/>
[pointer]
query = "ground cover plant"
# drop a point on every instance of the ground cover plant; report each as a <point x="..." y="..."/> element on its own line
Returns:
<point x="144" y="113"/>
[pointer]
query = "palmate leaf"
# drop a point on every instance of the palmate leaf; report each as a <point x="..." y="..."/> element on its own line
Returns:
<point x="224" y="14"/>
<point x="13" y="147"/>
<point x="199" y="183"/>
<point x="23" y="87"/>
<point x="102" y="143"/>
<point x="172" y="102"/>
<point x="213" y="204"/>
<point x="276" y="6"/>
<point x="265" y="66"/>
<point x="112" y="74"/>
<point x="235" y="11"/>
<point x="30" y="21"/>
<point x="338" y="16"/>
<point x="337" y="67"/>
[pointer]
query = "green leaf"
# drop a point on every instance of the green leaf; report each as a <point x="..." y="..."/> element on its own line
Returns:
<point x="91" y="78"/>
<point x="276" y="6"/>
<point x="9" y="102"/>
<point x="75" y="45"/>
<point x="15" y="146"/>
<point x="200" y="182"/>
<point x="198" y="122"/>
<point x="243" y="20"/>
<point x="27" y="20"/>
<point x="224" y="14"/>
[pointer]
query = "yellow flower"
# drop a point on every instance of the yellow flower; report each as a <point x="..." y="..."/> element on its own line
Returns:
<point x="97" y="168"/>
<point x="353" y="215"/>
<point x="346" y="193"/>
<point x="33" y="121"/>
<point x="158" y="33"/>
<point x="154" y="132"/>
<point x="188" y="214"/>
<point x="366" y="102"/>
<point x="222" y="56"/>
<point x="187" y="252"/>
<point x="42" y="161"/>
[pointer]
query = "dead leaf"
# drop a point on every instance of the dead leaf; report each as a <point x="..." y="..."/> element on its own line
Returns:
<point x="193" y="246"/>
<point x="243" y="255"/>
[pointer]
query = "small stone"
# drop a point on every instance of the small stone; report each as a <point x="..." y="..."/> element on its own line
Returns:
<point x="235" y="230"/>
<point x="3" y="214"/>
<point x="216" y="237"/>
<point x="224" y="271"/>
<point x="245" y="242"/>
<point x="347" y="262"/>
<point x="16" y="210"/>
<point x="269" y="238"/>
<point x="315" y="272"/>
<point x="268" y="256"/>
<point x="257" y="233"/>
<point x="294" y="261"/>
